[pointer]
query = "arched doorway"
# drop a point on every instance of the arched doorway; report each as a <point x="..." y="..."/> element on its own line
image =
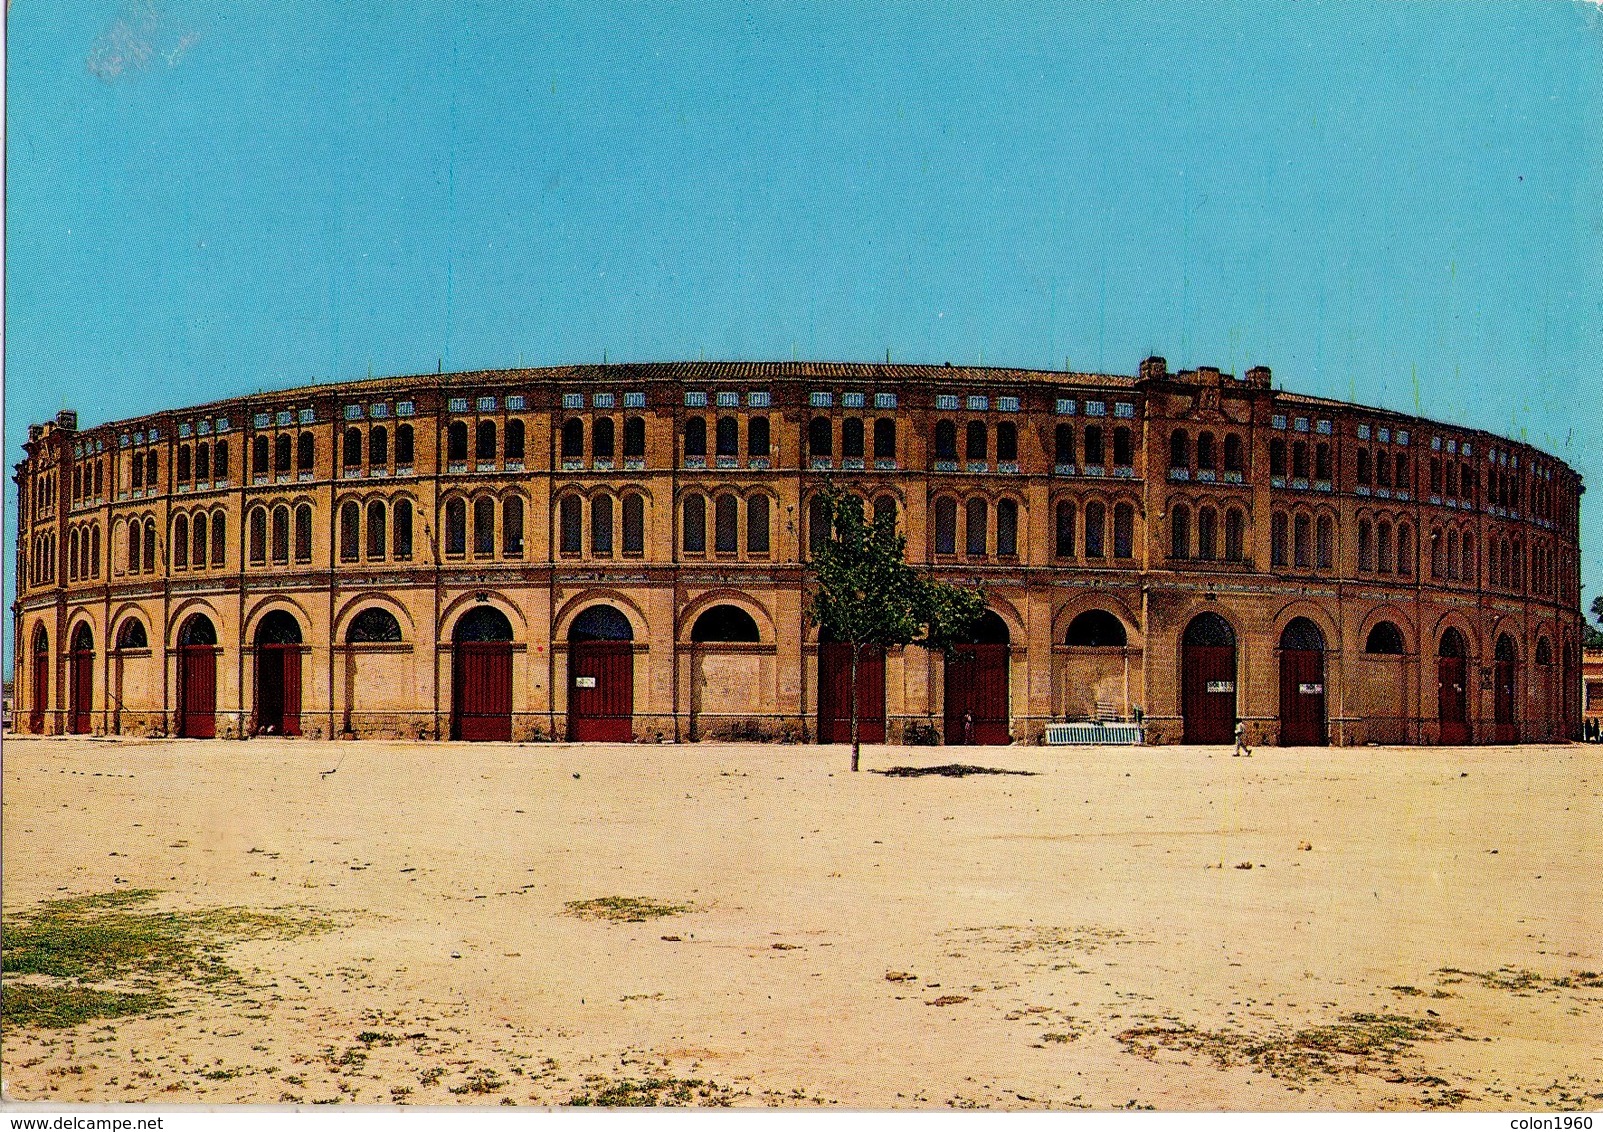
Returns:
<point x="1506" y="730"/>
<point x="1208" y="680"/>
<point x="1302" y="685"/>
<point x="41" y="681"/>
<point x="727" y="682"/>
<point x="132" y="641"/>
<point x="601" y="676"/>
<point x="835" y="692"/>
<point x="1452" y="683"/>
<point x="197" y="678"/>
<point x="81" y="681"/>
<point x="481" y="676"/>
<point x="278" y="674"/>
<point x="977" y="706"/>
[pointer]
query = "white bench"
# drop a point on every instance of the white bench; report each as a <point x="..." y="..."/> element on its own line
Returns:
<point x="1094" y="733"/>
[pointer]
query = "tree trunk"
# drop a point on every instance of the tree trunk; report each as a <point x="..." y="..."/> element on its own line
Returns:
<point x="856" y="648"/>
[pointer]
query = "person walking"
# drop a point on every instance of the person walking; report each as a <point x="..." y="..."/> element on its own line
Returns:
<point x="1241" y="741"/>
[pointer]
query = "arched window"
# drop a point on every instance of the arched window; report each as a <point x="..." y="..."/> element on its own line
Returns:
<point x="1093" y="445"/>
<point x="1325" y="543"/>
<point x="885" y="510"/>
<point x="601" y="623"/>
<point x="1405" y="551"/>
<point x="570" y="537"/>
<point x="1383" y="547"/>
<point x="573" y="438"/>
<point x="945" y="440"/>
<point x="1180" y="531"/>
<point x="1302" y="541"/>
<point x="974" y="447"/>
<point x="726" y="524"/>
<point x="634" y="436"/>
<point x="634" y="524"/>
<point x="260" y="455"/>
<point x="131" y="636"/>
<point x="1438" y="555"/>
<point x="728" y="436"/>
<point x="72" y="554"/>
<point x="456" y="527"/>
<point x="94" y="551"/>
<point x="1469" y="558"/>
<point x="303" y="533"/>
<point x="1207" y="525"/>
<point x="602" y="438"/>
<point x="512" y="523"/>
<point x="1544" y="652"/>
<point x="1205" y="454"/>
<point x="283" y="454"/>
<point x="1064" y="543"/>
<point x="851" y="438"/>
<point x="482" y="623"/>
<point x="180" y="544"/>
<point x="695" y="524"/>
<point x="1123" y="530"/>
<point x="1235" y="535"/>
<point x="350" y="533"/>
<point x="757" y="441"/>
<point x="818" y="525"/>
<point x="516" y="433"/>
<point x="1096" y="629"/>
<point x="1063" y="444"/>
<point x="403" y="444"/>
<point x="351" y="456"/>
<point x="695" y="436"/>
<point x="401" y="535"/>
<point x="456" y="441"/>
<point x="1277" y="457"/>
<point x="819" y="438"/>
<point x="725" y="624"/>
<point x="1452" y="555"/>
<point x="306" y="452"/>
<point x="377" y="532"/>
<point x="1007" y="442"/>
<point x="1179" y="449"/>
<point x="1299" y="459"/>
<point x="1096" y="521"/>
<point x="1366" y="546"/>
<point x="601" y="526"/>
<point x="1363" y="466"/>
<point x="378" y="446"/>
<point x="1322" y="461"/>
<point x="203" y="465"/>
<point x="484" y="446"/>
<point x="1385" y="639"/>
<point x="1436" y="475"/>
<point x="1007" y="521"/>
<point x="946" y="525"/>
<point x="885" y="439"/>
<point x="258" y="536"/>
<point x="976" y="531"/>
<point x="1233" y="462"/>
<point x="1123" y="448"/>
<point x="219" y="537"/>
<point x="1302" y="635"/>
<point x="1279" y="539"/>
<point x="220" y="461"/>
<point x="150" y="475"/>
<point x="183" y="472"/>
<point x="1402" y="476"/>
<point x="374" y="625"/>
<point x="1382" y="469"/>
<point x="483" y="526"/>
<point x="757" y="525"/>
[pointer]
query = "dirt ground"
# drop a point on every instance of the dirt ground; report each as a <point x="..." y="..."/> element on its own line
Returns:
<point x="1419" y="928"/>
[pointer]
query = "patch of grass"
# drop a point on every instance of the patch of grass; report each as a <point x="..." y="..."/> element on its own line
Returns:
<point x="1518" y="979"/>
<point x="1357" y="1043"/>
<point x="64" y="948"/>
<point x="29" y="1006"/>
<point x="949" y="770"/>
<point x="481" y="1083"/>
<point x="625" y="909"/>
<point x="651" y="1092"/>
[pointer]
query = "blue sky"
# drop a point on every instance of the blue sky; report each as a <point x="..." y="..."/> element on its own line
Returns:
<point x="1394" y="204"/>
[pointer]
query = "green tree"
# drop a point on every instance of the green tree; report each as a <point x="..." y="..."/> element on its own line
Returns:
<point x="864" y="593"/>
<point x="1591" y="636"/>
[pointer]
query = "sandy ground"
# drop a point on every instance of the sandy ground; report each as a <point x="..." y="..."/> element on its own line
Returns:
<point x="1082" y="937"/>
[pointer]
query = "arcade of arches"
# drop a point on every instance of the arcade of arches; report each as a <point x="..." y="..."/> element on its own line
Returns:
<point x="600" y="673"/>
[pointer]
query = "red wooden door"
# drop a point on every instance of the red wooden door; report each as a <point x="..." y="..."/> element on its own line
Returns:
<point x="1451" y="699"/>
<point x="976" y="695"/>
<point x="481" y="691"/>
<point x="1208" y="692"/>
<point x="41" y="692"/>
<point x="83" y="667"/>
<point x="1503" y="701"/>
<point x="1302" y="698"/>
<point x="835" y="693"/>
<point x="601" y="691"/>
<point x="197" y="691"/>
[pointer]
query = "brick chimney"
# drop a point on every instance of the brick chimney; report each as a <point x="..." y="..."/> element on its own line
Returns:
<point x="1154" y="367"/>
<point x="1258" y="376"/>
<point x="67" y="419"/>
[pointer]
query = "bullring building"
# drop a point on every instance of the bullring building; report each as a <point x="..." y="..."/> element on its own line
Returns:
<point x="620" y="553"/>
